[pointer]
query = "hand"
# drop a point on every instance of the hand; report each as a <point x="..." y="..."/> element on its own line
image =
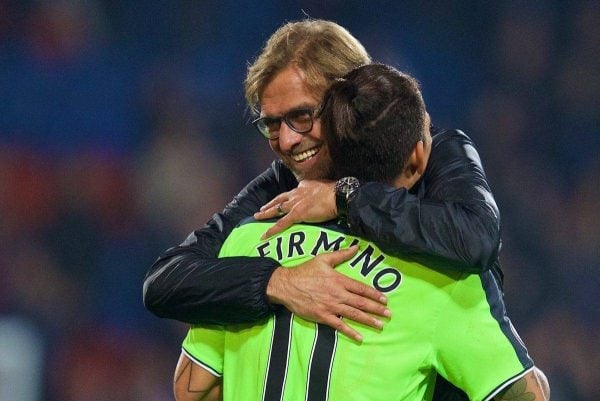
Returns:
<point x="315" y="291"/>
<point x="311" y="202"/>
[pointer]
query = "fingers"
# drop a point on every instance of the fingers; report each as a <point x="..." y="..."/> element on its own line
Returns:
<point x="270" y="213"/>
<point x="356" y="287"/>
<point x="276" y="201"/>
<point x="281" y="224"/>
<point x="311" y="202"/>
<point x="357" y="307"/>
<point x="358" y="299"/>
<point x="359" y="316"/>
<point x="337" y="257"/>
<point x="338" y="324"/>
<point x="293" y="213"/>
<point x="350" y="313"/>
<point x="366" y="292"/>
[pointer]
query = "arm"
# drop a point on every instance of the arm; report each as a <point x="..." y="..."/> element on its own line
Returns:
<point x="450" y="214"/>
<point x="533" y="384"/>
<point x="189" y="283"/>
<point x="528" y="388"/>
<point x="193" y="383"/>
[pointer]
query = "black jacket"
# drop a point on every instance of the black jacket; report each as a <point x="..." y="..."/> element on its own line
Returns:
<point x="449" y="214"/>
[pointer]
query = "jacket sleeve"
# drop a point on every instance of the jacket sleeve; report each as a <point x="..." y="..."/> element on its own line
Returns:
<point x="189" y="283"/>
<point x="450" y="214"/>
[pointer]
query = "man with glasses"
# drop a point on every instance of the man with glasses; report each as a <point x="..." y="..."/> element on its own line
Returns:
<point x="451" y="215"/>
<point x="375" y="126"/>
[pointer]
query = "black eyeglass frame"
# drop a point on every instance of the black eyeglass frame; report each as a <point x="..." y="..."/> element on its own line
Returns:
<point x="262" y="121"/>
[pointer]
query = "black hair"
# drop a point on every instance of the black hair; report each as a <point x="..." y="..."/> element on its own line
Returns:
<point x="372" y="118"/>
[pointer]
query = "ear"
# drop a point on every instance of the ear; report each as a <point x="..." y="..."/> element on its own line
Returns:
<point x="417" y="160"/>
<point x="414" y="167"/>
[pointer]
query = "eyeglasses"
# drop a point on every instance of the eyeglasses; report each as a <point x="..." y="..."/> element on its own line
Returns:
<point x="299" y="120"/>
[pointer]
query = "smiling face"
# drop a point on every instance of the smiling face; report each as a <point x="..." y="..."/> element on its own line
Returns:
<point x="305" y="154"/>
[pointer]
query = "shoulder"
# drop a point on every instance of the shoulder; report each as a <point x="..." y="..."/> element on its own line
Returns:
<point x="452" y="144"/>
<point x="275" y="179"/>
<point x="444" y="136"/>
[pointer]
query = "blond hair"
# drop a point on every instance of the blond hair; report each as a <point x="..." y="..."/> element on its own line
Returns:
<point x="322" y="50"/>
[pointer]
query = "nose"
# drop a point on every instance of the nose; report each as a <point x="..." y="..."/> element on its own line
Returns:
<point x="288" y="138"/>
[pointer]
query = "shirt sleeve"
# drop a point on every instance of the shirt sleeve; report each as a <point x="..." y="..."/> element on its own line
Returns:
<point x="190" y="284"/>
<point x="476" y="346"/>
<point x="450" y="214"/>
<point x="205" y="346"/>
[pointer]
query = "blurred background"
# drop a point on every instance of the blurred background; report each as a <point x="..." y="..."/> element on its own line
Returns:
<point x="123" y="127"/>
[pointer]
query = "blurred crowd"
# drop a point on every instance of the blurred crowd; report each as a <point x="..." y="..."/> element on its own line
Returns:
<point x="123" y="127"/>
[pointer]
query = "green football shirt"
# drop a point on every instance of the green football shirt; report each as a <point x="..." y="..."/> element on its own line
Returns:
<point x="443" y="321"/>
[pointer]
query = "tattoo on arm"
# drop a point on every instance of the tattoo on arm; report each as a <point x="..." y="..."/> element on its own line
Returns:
<point x="181" y="370"/>
<point x="193" y="383"/>
<point x="517" y="392"/>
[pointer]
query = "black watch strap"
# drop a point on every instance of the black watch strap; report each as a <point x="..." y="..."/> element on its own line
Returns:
<point x="345" y="190"/>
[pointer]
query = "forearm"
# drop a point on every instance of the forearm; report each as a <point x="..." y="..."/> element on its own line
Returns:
<point x="209" y="291"/>
<point x="191" y="284"/>
<point x="465" y="234"/>
<point x="450" y="214"/>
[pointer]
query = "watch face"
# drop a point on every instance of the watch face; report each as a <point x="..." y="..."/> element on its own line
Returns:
<point x="347" y="184"/>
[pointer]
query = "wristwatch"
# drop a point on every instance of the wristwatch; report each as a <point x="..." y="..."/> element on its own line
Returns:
<point x="345" y="190"/>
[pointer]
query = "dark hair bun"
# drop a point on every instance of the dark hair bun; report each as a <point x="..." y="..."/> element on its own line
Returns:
<point x="347" y="90"/>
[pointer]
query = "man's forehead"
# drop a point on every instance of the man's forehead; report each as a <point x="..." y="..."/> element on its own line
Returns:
<point x="287" y="91"/>
<point x="282" y="102"/>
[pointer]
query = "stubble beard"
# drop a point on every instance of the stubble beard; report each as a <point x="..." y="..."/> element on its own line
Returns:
<point x="320" y="171"/>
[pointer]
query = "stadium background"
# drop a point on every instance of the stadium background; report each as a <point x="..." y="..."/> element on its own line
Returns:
<point x="123" y="127"/>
